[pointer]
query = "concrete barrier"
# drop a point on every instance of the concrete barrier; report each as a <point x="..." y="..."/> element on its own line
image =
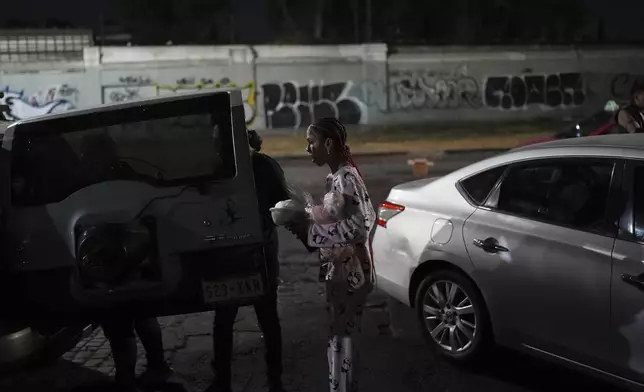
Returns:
<point x="287" y="86"/>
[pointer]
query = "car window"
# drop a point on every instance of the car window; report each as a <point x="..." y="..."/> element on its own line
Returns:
<point x="174" y="148"/>
<point x="571" y="193"/>
<point x="478" y="186"/>
<point x="638" y="203"/>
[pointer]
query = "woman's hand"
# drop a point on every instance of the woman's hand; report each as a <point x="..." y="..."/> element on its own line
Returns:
<point x="300" y="228"/>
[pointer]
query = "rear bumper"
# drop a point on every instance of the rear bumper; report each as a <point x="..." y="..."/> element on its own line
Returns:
<point x="179" y="289"/>
<point x="392" y="269"/>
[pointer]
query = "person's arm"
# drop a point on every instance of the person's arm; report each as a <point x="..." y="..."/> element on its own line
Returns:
<point x="277" y="180"/>
<point x="627" y="121"/>
<point x="347" y="231"/>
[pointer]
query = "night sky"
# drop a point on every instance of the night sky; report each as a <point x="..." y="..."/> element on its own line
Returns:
<point x="623" y="17"/>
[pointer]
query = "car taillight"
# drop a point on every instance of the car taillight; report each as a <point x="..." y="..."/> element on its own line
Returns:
<point x="387" y="211"/>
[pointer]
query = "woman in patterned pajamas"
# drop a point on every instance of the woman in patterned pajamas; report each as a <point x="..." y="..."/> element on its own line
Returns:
<point x="345" y="251"/>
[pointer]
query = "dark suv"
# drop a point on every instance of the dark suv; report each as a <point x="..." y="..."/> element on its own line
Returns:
<point x="146" y="207"/>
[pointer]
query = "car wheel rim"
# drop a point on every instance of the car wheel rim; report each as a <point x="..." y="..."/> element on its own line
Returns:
<point x="449" y="316"/>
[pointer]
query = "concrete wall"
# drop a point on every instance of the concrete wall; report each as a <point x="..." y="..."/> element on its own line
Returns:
<point x="286" y="86"/>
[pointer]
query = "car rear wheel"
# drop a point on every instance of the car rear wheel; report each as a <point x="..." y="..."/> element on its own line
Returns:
<point x="452" y="316"/>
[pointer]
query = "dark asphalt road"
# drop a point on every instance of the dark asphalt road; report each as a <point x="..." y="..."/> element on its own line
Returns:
<point x="395" y="357"/>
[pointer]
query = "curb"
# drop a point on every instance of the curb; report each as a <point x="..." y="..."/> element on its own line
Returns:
<point x="287" y="158"/>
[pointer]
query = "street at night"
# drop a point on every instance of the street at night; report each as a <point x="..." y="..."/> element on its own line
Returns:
<point x="393" y="353"/>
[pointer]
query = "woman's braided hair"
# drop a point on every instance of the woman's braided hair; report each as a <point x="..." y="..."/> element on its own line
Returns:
<point x="333" y="129"/>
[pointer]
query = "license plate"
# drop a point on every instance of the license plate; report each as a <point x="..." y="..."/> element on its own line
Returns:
<point x="232" y="289"/>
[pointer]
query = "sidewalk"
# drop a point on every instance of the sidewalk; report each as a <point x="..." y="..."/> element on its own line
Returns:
<point x="417" y="140"/>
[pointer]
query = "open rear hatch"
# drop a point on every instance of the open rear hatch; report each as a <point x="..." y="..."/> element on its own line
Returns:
<point x="146" y="207"/>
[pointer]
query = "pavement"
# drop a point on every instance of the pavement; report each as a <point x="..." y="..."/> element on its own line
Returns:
<point x="395" y="357"/>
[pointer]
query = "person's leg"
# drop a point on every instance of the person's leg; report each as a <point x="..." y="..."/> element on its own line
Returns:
<point x="223" y="346"/>
<point x="149" y="332"/>
<point x="120" y="334"/>
<point x="350" y="365"/>
<point x="345" y="325"/>
<point x="269" y="322"/>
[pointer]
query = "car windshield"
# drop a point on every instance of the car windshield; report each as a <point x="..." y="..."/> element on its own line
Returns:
<point x="48" y="166"/>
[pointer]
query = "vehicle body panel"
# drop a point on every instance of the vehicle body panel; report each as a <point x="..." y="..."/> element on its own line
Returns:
<point x="557" y="292"/>
<point x="206" y="229"/>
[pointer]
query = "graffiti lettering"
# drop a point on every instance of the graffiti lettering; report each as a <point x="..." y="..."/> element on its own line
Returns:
<point x="249" y="92"/>
<point x="374" y="93"/>
<point x="129" y="89"/>
<point x="135" y="80"/>
<point x="515" y="92"/>
<point x="185" y="81"/>
<point x="126" y="94"/>
<point x="17" y="106"/>
<point x="620" y="86"/>
<point x="428" y="89"/>
<point x="289" y="105"/>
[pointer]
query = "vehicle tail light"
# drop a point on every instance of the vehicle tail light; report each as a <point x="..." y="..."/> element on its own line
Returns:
<point x="387" y="211"/>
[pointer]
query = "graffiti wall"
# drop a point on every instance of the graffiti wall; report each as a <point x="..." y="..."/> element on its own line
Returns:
<point x="295" y="105"/>
<point x="513" y="92"/>
<point x="19" y="104"/>
<point x="288" y="87"/>
<point x="434" y="89"/>
<point x="247" y="88"/>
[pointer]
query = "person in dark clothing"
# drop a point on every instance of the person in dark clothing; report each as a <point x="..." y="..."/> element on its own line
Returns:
<point x="120" y="333"/>
<point x="631" y="117"/>
<point x="99" y="158"/>
<point x="270" y="185"/>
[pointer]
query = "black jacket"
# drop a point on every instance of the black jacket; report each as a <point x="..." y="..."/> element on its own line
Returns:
<point x="270" y="184"/>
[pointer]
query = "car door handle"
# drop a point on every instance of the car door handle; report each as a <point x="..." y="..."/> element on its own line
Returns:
<point x="636" y="281"/>
<point x="489" y="245"/>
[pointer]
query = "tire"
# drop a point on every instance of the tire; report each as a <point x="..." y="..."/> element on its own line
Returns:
<point x="467" y="347"/>
<point x="26" y="348"/>
<point x="19" y="348"/>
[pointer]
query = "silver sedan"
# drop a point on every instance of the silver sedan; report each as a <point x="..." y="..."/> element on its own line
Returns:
<point x="539" y="249"/>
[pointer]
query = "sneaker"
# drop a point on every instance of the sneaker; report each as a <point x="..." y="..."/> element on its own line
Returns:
<point x="125" y="388"/>
<point x="155" y="376"/>
<point x="275" y="387"/>
<point x="217" y="387"/>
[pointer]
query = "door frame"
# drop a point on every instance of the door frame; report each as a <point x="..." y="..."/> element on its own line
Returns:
<point x="627" y="197"/>
<point x="613" y="213"/>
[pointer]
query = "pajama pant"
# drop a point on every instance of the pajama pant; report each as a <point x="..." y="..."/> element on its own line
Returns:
<point x="344" y="309"/>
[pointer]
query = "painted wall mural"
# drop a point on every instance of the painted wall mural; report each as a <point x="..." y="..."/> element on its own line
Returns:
<point x="423" y="89"/>
<point x="19" y="105"/>
<point x="294" y="105"/>
<point x="248" y="89"/>
<point x="519" y="92"/>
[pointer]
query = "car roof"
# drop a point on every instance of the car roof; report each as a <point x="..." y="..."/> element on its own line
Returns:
<point x="620" y="141"/>
<point x="235" y="101"/>
<point x="630" y="146"/>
